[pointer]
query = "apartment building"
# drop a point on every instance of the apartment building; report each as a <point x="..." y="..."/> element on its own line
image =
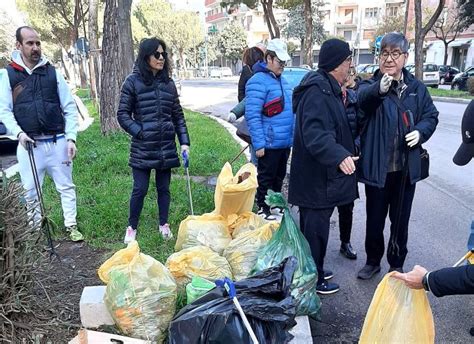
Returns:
<point x="356" y="22"/>
<point x="460" y="51"/>
<point x="252" y="21"/>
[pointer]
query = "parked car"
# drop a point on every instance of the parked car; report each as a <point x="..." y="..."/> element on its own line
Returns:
<point x="460" y="80"/>
<point x="226" y="72"/>
<point x="219" y="72"/>
<point x="294" y="75"/>
<point x="446" y="74"/>
<point x="7" y="143"/>
<point x="361" y="67"/>
<point x="430" y="74"/>
<point x="366" y="72"/>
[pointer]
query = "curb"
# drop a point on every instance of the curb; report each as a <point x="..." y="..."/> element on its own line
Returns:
<point x="451" y="100"/>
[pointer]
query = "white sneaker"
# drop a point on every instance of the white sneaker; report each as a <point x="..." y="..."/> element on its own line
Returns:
<point x="130" y="235"/>
<point x="166" y="231"/>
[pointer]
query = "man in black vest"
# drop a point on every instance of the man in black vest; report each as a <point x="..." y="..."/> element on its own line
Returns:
<point x="37" y="107"/>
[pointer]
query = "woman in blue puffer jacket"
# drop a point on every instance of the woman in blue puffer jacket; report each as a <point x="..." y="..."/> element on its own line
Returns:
<point x="270" y="118"/>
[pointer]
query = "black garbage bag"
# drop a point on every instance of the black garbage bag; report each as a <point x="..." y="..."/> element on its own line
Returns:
<point x="265" y="299"/>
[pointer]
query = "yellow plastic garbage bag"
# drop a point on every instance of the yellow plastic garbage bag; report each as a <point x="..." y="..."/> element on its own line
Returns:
<point x="398" y="314"/>
<point x="244" y="222"/>
<point x="141" y="293"/>
<point x="197" y="261"/>
<point x="235" y="194"/>
<point x="206" y="230"/>
<point x="242" y="252"/>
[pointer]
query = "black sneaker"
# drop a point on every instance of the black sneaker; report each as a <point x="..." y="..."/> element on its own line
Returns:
<point x="347" y="250"/>
<point x="400" y="270"/>
<point x="326" y="288"/>
<point x="368" y="271"/>
<point x="266" y="214"/>
<point x="328" y="274"/>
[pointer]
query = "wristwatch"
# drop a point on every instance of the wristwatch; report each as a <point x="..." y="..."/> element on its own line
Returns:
<point x="71" y="140"/>
<point x="424" y="282"/>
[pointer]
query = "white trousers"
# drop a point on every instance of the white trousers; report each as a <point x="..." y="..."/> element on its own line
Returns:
<point x="50" y="158"/>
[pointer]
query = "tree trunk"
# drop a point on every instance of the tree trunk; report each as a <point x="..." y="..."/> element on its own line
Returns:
<point x="94" y="50"/>
<point x="420" y="33"/>
<point x="271" y="17"/>
<point x="267" y="19"/>
<point x="405" y="23"/>
<point x="445" y="60"/>
<point x="66" y="69"/>
<point x="308" y="47"/>
<point x="117" y="62"/>
<point x="82" y="72"/>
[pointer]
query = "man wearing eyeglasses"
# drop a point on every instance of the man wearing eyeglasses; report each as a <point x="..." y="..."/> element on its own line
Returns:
<point x="323" y="161"/>
<point x="397" y="115"/>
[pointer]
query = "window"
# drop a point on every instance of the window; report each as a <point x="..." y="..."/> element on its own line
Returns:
<point x="348" y="35"/>
<point x="371" y="12"/>
<point x="249" y="22"/>
<point x="392" y="11"/>
<point x="325" y="15"/>
<point x="348" y="16"/>
<point x="369" y="34"/>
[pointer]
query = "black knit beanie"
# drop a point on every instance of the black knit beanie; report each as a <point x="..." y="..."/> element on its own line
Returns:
<point x="333" y="52"/>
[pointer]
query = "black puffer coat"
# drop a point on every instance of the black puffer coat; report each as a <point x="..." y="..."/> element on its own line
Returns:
<point x="152" y="115"/>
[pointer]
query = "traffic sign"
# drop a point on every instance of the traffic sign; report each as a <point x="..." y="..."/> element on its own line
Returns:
<point x="212" y="29"/>
<point x="82" y="45"/>
<point x="378" y="41"/>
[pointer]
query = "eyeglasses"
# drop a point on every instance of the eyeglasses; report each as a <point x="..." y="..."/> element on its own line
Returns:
<point x="282" y="63"/>
<point x="394" y="54"/>
<point x="157" y="55"/>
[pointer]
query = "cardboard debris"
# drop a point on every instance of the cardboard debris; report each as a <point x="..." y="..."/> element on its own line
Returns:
<point x="94" y="337"/>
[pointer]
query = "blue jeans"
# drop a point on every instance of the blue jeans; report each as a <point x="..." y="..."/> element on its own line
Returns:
<point x="141" y="179"/>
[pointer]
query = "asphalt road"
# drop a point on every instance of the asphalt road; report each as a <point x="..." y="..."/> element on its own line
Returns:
<point x="439" y="227"/>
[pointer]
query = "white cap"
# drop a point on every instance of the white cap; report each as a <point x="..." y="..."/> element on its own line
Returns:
<point x="279" y="47"/>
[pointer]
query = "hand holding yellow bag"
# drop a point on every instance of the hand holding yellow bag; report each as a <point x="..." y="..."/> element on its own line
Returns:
<point x="398" y="314"/>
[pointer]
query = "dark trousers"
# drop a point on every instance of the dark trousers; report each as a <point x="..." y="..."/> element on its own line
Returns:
<point x="141" y="179"/>
<point x="314" y="224"/>
<point x="271" y="170"/>
<point x="345" y="221"/>
<point x="381" y="201"/>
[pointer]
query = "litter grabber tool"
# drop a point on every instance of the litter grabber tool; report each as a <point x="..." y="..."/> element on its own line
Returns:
<point x="230" y="288"/>
<point x="408" y="124"/>
<point x="240" y="153"/>
<point x="470" y="247"/>
<point x="46" y="224"/>
<point x="188" y="180"/>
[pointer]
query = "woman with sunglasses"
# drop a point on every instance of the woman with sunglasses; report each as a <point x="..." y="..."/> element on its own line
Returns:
<point x="149" y="110"/>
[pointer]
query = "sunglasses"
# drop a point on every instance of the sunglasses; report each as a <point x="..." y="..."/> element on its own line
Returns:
<point x="157" y="55"/>
<point x="282" y="63"/>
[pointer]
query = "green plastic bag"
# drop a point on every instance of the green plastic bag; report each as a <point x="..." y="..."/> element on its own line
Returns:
<point x="198" y="287"/>
<point x="289" y="241"/>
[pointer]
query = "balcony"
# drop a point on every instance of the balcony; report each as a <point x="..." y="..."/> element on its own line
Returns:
<point x="346" y="22"/>
<point x="209" y="2"/>
<point x="216" y="17"/>
<point x="348" y="3"/>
